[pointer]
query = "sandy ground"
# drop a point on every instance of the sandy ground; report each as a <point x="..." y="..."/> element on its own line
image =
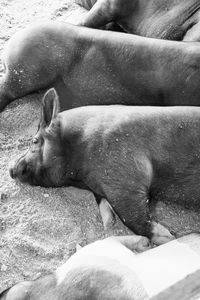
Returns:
<point x="39" y="228"/>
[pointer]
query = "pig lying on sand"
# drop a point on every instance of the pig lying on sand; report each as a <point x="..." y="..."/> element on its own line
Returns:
<point x="131" y="156"/>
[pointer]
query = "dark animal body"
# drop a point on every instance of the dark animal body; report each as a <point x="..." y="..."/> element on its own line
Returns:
<point x="93" y="67"/>
<point x="163" y="19"/>
<point x="131" y="156"/>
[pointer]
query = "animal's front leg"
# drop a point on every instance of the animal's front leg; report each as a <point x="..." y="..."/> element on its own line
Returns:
<point x="133" y="242"/>
<point x="134" y="212"/>
<point x="159" y="234"/>
<point x="133" y="209"/>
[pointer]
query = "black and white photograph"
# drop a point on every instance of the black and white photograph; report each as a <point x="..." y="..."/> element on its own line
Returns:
<point x="99" y="150"/>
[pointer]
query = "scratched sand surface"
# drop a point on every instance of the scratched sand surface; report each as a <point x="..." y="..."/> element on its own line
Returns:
<point x="39" y="227"/>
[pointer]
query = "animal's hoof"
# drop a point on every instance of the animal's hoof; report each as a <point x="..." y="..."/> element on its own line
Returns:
<point x="159" y="240"/>
<point x="78" y="247"/>
<point x="143" y="244"/>
<point x="107" y="214"/>
<point x="161" y="235"/>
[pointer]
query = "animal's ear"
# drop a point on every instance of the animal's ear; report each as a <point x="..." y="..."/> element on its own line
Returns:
<point x="50" y="107"/>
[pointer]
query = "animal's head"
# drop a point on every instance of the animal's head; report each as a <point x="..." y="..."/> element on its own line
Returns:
<point x="44" y="163"/>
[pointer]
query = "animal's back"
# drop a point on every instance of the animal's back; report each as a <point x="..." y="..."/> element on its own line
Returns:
<point x="163" y="141"/>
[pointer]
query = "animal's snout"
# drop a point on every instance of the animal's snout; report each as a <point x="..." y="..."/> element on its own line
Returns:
<point x="19" y="170"/>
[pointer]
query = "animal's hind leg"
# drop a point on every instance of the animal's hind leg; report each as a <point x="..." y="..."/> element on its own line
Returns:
<point x="106" y="11"/>
<point x="17" y="83"/>
<point x="13" y="87"/>
<point x="75" y="14"/>
<point x="5" y="95"/>
<point x="32" y="66"/>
